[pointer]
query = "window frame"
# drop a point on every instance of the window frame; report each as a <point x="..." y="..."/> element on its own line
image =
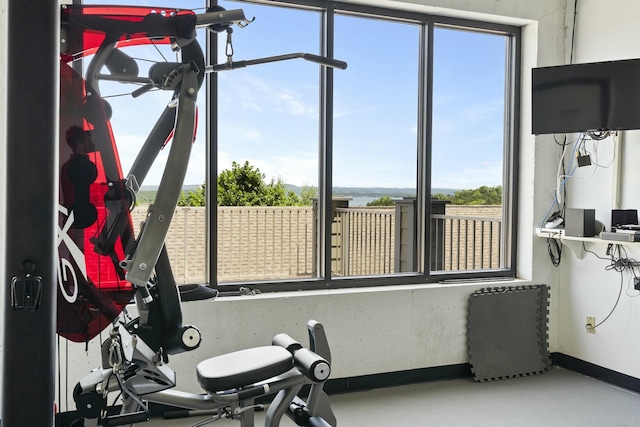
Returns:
<point x="427" y="23"/>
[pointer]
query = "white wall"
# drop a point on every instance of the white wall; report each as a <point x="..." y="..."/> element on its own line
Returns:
<point x="370" y="331"/>
<point x="603" y="32"/>
<point x="405" y="327"/>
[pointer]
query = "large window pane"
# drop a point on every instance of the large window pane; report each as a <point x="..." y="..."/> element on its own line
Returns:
<point x="375" y="147"/>
<point x="268" y="126"/>
<point x="468" y="149"/>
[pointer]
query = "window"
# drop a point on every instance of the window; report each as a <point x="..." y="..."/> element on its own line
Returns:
<point x="421" y="125"/>
<point x="399" y="169"/>
<point x="375" y="144"/>
<point x="268" y="122"/>
<point x="467" y="148"/>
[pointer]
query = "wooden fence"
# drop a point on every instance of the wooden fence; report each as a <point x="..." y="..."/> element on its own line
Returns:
<point x="272" y="243"/>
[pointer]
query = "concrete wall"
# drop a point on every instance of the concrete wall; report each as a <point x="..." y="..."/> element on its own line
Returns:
<point x="406" y="327"/>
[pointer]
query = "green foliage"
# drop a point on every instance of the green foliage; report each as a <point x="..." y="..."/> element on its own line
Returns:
<point x="145" y="197"/>
<point x="276" y="194"/>
<point x="382" y="201"/>
<point x="241" y="186"/>
<point x="307" y="194"/>
<point x="194" y="197"/>
<point x="244" y="185"/>
<point x="480" y="196"/>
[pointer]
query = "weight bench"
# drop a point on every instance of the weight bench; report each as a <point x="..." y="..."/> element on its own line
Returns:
<point x="232" y="382"/>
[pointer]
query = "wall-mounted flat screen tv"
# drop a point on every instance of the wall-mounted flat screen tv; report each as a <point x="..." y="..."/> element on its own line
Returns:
<point x="586" y="97"/>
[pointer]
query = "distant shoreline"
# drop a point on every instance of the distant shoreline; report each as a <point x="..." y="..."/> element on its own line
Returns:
<point x="354" y="192"/>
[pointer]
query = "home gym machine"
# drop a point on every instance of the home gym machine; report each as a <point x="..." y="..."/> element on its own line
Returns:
<point x="103" y="264"/>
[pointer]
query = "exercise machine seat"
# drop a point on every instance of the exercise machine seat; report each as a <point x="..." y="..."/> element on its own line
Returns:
<point x="241" y="368"/>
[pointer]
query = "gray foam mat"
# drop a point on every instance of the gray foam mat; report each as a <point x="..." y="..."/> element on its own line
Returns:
<point x="507" y="332"/>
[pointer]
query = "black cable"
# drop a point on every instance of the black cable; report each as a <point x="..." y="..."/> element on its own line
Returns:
<point x="554" y="248"/>
<point x="593" y="253"/>
<point x="564" y="140"/>
<point x="555" y="251"/>
<point x="561" y="208"/>
<point x="128" y="393"/>
<point x="599" y="135"/>
<point x="573" y="30"/>
<point x="564" y="187"/>
<point x="615" y="305"/>
<point x="620" y="263"/>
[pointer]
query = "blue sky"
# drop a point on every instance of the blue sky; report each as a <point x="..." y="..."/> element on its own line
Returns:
<point x="269" y="113"/>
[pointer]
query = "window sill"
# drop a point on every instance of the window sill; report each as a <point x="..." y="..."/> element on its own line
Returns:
<point x="468" y="283"/>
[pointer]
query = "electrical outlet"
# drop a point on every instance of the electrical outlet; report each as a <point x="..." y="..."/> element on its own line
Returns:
<point x="591" y="324"/>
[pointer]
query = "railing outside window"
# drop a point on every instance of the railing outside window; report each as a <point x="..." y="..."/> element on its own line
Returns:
<point x="469" y="243"/>
<point x="367" y="241"/>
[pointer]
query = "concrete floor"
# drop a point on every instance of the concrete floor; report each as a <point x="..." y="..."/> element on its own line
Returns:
<point x="557" y="398"/>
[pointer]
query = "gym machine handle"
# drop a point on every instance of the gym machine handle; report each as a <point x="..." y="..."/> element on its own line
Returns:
<point x="322" y="60"/>
<point x="313" y="366"/>
<point x="284" y="340"/>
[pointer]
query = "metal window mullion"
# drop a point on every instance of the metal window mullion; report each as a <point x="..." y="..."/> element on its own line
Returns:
<point x="482" y="233"/>
<point x="508" y="242"/>
<point x="211" y="158"/>
<point x="326" y="144"/>
<point x="425" y="140"/>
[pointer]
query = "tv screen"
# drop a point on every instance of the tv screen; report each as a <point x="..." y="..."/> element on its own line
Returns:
<point x="586" y="97"/>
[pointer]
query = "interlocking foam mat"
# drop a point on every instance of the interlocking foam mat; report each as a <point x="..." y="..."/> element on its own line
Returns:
<point x="507" y="332"/>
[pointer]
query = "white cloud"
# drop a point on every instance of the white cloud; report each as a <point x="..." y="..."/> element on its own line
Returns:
<point x="467" y="177"/>
<point x="259" y="95"/>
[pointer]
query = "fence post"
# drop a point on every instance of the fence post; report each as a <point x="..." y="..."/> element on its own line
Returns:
<point x="437" y="234"/>
<point x="336" y="234"/>
<point x="406" y="243"/>
<point x="406" y="253"/>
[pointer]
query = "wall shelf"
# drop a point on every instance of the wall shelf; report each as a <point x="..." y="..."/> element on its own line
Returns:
<point x="576" y="244"/>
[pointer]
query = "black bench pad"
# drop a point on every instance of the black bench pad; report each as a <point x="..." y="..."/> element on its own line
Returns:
<point x="241" y="368"/>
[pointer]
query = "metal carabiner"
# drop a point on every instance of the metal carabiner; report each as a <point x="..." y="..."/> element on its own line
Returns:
<point x="229" y="47"/>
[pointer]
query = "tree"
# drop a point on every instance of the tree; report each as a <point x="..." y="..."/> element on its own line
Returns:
<point x="245" y="186"/>
<point x="307" y="194"/>
<point x="193" y="197"/>
<point x="241" y="186"/>
<point x="382" y="201"/>
<point x="480" y="196"/>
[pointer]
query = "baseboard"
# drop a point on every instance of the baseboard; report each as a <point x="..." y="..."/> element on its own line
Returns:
<point x="463" y="370"/>
<point x="393" y="379"/>
<point x="612" y="377"/>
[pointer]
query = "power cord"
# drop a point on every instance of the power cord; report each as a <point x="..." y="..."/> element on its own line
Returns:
<point x="560" y="192"/>
<point x="614" y="306"/>
<point x="555" y="251"/>
<point x="618" y="263"/>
